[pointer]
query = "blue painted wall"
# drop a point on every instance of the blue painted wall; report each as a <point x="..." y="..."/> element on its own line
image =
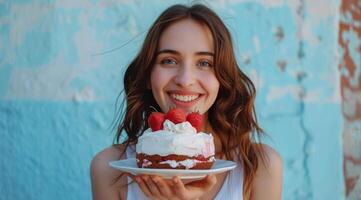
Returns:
<point x="61" y="68"/>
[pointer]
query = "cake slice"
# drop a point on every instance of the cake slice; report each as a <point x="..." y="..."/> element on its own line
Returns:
<point x="175" y="141"/>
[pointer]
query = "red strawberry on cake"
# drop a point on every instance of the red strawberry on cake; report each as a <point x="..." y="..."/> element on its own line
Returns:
<point x="196" y="120"/>
<point x="175" y="141"/>
<point x="176" y="115"/>
<point x="156" y="120"/>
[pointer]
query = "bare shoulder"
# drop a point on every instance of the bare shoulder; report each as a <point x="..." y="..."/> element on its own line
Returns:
<point x="272" y="159"/>
<point x="110" y="153"/>
<point x="268" y="180"/>
<point x="107" y="183"/>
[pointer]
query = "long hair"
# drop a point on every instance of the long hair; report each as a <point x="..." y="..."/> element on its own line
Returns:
<point x="233" y="112"/>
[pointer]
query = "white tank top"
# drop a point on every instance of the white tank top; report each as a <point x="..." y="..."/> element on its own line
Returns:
<point x="230" y="190"/>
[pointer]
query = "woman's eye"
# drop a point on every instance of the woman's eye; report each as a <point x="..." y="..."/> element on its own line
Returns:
<point x="204" y="63"/>
<point x="168" y="62"/>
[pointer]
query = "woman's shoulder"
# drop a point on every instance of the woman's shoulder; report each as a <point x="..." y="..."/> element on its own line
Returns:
<point x="271" y="159"/>
<point x="269" y="175"/>
<point x="106" y="181"/>
<point x="113" y="152"/>
<point x="100" y="160"/>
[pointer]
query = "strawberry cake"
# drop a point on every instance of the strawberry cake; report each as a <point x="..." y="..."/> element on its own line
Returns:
<point x="175" y="141"/>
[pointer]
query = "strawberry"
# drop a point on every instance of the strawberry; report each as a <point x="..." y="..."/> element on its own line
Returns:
<point x="176" y="115"/>
<point x="155" y="121"/>
<point x="196" y="120"/>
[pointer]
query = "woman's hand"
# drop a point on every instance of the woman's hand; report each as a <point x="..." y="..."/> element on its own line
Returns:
<point x="157" y="188"/>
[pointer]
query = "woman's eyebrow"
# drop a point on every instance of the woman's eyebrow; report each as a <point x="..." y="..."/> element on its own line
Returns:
<point x="205" y="53"/>
<point x="170" y="51"/>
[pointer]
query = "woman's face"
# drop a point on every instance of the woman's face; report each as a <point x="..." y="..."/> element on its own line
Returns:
<point x="183" y="73"/>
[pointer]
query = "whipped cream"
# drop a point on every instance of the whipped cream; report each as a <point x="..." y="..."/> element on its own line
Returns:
<point x="188" y="163"/>
<point x="179" y="139"/>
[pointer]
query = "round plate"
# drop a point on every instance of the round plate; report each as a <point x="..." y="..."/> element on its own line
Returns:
<point x="129" y="165"/>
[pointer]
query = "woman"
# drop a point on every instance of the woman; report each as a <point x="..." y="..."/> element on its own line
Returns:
<point x="187" y="61"/>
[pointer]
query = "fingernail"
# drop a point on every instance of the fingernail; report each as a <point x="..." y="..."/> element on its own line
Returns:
<point x="155" y="179"/>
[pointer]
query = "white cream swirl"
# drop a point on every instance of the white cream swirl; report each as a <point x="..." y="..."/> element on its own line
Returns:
<point x="181" y="128"/>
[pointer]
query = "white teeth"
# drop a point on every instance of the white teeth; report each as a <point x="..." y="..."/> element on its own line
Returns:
<point x="185" y="98"/>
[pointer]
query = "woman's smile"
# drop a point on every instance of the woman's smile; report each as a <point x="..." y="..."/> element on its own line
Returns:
<point x="184" y="99"/>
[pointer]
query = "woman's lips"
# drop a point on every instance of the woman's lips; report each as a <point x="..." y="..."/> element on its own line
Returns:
<point x="184" y="99"/>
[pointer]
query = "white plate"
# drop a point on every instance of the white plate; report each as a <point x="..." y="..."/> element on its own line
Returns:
<point x="129" y="165"/>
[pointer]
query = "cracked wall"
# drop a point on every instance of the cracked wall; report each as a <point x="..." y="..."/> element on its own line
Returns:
<point x="61" y="66"/>
<point x="350" y="67"/>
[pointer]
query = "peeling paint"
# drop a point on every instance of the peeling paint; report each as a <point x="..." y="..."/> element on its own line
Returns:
<point x="350" y="66"/>
<point x="282" y="65"/>
<point x="279" y="34"/>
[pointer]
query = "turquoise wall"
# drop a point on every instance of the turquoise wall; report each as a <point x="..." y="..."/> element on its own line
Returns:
<point x="61" y="68"/>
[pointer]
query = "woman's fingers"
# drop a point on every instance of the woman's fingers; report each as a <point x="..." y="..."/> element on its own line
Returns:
<point x="178" y="188"/>
<point x="206" y="184"/>
<point x="193" y="189"/>
<point x="153" y="188"/>
<point x="143" y="186"/>
<point x="211" y="180"/>
<point x="159" y="188"/>
<point x="162" y="186"/>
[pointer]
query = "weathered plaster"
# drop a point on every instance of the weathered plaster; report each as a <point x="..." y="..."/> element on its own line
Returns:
<point x="350" y="67"/>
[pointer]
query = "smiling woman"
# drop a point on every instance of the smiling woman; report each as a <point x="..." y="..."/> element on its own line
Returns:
<point x="187" y="61"/>
<point x="183" y="75"/>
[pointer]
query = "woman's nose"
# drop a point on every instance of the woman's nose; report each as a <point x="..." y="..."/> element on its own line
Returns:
<point x="185" y="76"/>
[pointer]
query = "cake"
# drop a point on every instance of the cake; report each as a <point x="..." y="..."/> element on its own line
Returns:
<point x="175" y="141"/>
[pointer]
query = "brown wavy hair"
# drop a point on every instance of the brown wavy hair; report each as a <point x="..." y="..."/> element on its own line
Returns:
<point x="233" y="111"/>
